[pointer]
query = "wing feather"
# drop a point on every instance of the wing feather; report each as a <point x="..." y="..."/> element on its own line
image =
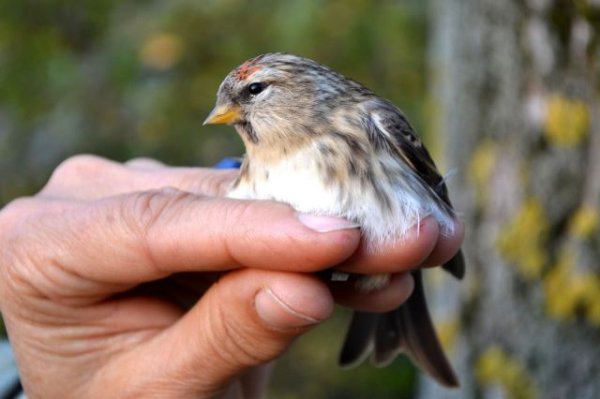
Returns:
<point x="388" y="127"/>
<point x="390" y="123"/>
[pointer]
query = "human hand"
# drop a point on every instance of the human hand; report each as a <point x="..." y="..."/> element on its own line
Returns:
<point x="101" y="269"/>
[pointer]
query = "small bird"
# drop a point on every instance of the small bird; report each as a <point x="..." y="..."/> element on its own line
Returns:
<point x="327" y="145"/>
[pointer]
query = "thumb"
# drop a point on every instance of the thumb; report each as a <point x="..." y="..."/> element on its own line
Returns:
<point x="248" y="318"/>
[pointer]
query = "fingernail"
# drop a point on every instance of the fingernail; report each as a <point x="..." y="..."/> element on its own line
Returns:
<point x="278" y="314"/>
<point x="325" y="224"/>
<point x="422" y="224"/>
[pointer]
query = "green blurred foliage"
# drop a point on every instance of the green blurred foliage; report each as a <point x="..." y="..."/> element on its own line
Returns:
<point x="133" y="78"/>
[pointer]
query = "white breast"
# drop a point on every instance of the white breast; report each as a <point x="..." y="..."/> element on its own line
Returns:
<point x="296" y="180"/>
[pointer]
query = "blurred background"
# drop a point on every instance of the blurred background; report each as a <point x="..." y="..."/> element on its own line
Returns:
<point x="505" y="95"/>
<point x="136" y="78"/>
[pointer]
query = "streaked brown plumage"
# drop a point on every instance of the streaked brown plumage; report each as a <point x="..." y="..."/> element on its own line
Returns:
<point x="327" y="145"/>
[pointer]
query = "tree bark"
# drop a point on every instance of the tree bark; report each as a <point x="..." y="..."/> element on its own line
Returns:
<point x="516" y="103"/>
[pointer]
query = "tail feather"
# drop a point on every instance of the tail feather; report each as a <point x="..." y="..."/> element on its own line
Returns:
<point x="407" y="329"/>
<point x="456" y="265"/>
<point x="389" y="338"/>
<point x="359" y="338"/>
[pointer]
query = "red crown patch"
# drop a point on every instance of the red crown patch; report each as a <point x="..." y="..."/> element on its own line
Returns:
<point x="246" y="69"/>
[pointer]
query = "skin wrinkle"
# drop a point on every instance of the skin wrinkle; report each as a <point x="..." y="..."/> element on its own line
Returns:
<point x="68" y="276"/>
<point x="32" y="342"/>
<point x="240" y="346"/>
<point x="146" y="212"/>
<point x="241" y="211"/>
<point x="16" y="269"/>
<point x="55" y="276"/>
<point x="300" y="315"/>
<point x="95" y="338"/>
<point x="221" y="239"/>
<point x="221" y="343"/>
<point x="142" y="341"/>
<point x="113" y="310"/>
<point x="51" y="313"/>
<point x="136" y="388"/>
<point x="209" y="339"/>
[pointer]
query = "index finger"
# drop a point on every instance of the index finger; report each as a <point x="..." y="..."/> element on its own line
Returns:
<point x="89" y="177"/>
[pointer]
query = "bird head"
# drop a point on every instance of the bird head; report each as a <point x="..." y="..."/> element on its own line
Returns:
<point x="275" y="97"/>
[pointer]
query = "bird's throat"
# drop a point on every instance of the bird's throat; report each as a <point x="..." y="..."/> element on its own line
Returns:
<point x="248" y="133"/>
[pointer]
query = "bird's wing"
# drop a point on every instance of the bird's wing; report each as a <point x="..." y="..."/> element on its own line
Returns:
<point x="388" y="127"/>
<point x="388" y="123"/>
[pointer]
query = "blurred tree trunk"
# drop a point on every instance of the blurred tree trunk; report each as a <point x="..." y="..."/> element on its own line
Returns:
<point x="516" y="99"/>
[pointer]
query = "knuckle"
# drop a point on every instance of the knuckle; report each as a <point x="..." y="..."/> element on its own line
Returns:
<point x="146" y="213"/>
<point x="145" y="208"/>
<point x="77" y="168"/>
<point x="16" y="211"/>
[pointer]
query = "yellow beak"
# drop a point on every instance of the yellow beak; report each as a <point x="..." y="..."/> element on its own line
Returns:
<point x="223" y="114"/>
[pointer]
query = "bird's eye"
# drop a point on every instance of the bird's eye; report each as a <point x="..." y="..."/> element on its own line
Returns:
<point x="255" y="88"/>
